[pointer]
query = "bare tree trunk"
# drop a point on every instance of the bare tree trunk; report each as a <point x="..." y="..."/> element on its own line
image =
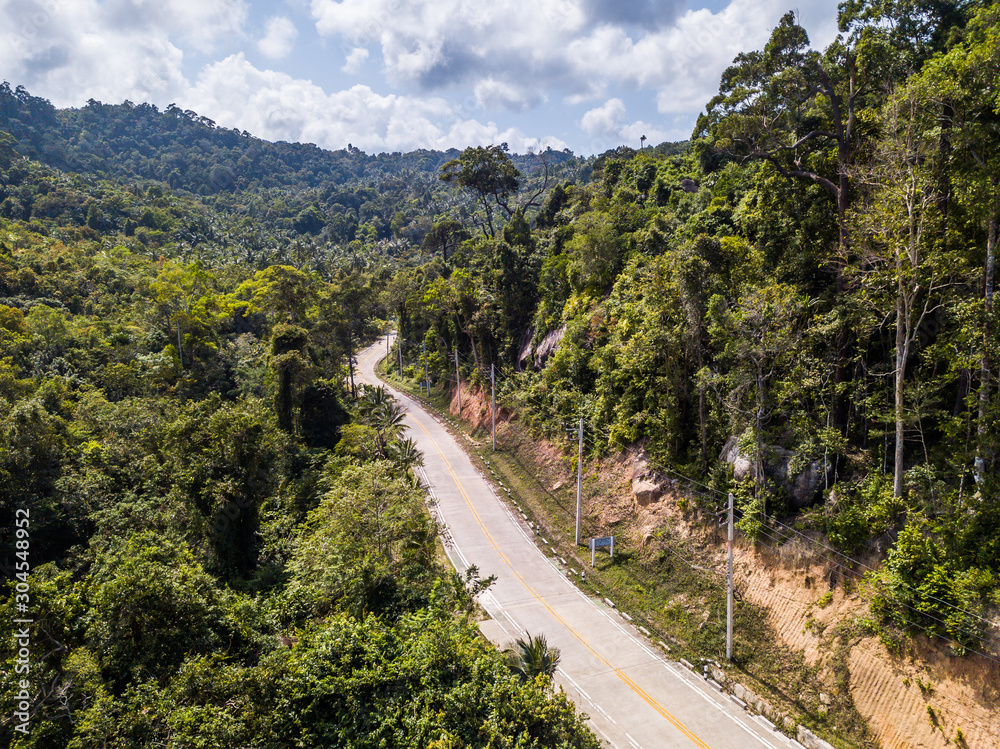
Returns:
<point x="702" y="428"/>
<point x="475" y="351"/>
<point x="897" y="486"/>
<point x="758" y="421"/>
<point x="984" y="367"/>
<point x="842" y="370"/>
<point x="904" y="338"/>
<point x="350" y="361"/>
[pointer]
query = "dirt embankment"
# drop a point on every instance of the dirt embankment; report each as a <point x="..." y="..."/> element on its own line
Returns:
<point x="916" y="696"/>
<point x="919" y="696"/>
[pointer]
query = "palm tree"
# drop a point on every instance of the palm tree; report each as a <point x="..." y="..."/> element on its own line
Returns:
<point x="405" y="454"/>
<point x="532" y="657"/>
<point x="371" y="399"/>
<point x="387" y="418"/>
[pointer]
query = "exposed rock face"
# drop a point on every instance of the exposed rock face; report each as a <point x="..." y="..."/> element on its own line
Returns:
<point x="537" y="356"/>
<point x="647" y="485"/>
<point x="526" y="350"/>
<point x="548" y="346"/>
<point x="801" y="487"/>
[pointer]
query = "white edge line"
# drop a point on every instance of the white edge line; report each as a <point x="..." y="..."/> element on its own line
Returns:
<point x="656" y="656"/>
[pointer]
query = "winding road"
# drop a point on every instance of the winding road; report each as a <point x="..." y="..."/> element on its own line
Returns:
<point x="636" y="699"/>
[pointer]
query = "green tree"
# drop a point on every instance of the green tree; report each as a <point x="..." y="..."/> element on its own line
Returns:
<point x="293" y="370"/>
<point x="7" y="152"/>
<point x="532" y="657"/>
<point x="787" y="105"/>
<point x="186" y="299"/>
<point x="151" y="606"/>
<point x="489" y="175"/>
<point x="596" y="253"/>
<point x="281" y="293"/>
<point x="799" y="110"/>
<point x="446" y="234"/>
<point x="757" y="338"/>
<point x="902" y="241"/>
<point x="964" y="81"/>
<point x="330" y="569"/>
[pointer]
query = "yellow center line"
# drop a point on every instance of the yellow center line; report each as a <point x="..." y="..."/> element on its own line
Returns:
<point x="621" y="675"/>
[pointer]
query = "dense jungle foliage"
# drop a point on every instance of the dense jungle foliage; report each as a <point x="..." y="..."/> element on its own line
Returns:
<point x="796" y="306"/>
<point x="805" y="293"/>
<point x="277" y="197"/>
<point x="177" y="423"/>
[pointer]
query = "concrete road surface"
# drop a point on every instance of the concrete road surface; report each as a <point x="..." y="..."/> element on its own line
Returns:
<point x="634" y="696"/>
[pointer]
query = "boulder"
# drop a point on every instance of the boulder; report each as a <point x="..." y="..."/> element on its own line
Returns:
<point x="810" y="740"/>
<point x="646" y="491"/>
<point x="801" y="486"/>
<point x="648" y="486"/>
<point x="742" y="467"/>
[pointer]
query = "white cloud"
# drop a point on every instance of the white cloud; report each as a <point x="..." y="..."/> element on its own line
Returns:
<point x="604" y="119"/>
<point x="493" y="94"/>
<point x="275" y="106"/>
<point x="73" y="51"/>
<point x="608" y="127"/>
<point x="355" y="59"/>
<point x="581" y="48"/>
<point x="199" y="23"/>
<point x="632" y="134"/>
<point x="439" y="42"/>
<point x="279" y="39"/>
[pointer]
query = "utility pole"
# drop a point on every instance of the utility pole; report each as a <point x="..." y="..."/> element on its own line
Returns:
<point x="399" y="350"/>
<point x="579" y="479"/>
<point x="493" y="402"/>
<point x="458" y="383"/>
<point x="427" y="379"/>
<point x="729" y="586"/>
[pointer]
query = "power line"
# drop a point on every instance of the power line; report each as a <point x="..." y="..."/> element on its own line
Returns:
<point x="772" y="532"/>
<point x="703" y="491"/>
<point x="593" y="446"/>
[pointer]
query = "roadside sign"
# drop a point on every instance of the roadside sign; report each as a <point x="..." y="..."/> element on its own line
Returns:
<point x="601" y="542"/>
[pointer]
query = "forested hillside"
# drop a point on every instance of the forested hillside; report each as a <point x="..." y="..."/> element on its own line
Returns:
<point x="798" y="308"/>
<point x="795" y="306"/>
<point x="285" y="193"/>
<point x="185" y="475"/>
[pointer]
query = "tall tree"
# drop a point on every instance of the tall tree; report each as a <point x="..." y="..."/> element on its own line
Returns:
<point x="791" y="106"/>
<point x="908" y="31"/>
<point x="758" y="337"/>
<point x="444" y="235"/>
<point x="796" y="109"/>
<point x="488" y="173"/>
<point x="904" y="258"/>
<point x="964" y="81"/>
<point x="184" y="294"/>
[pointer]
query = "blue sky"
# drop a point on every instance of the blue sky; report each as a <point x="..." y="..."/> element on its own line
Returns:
<point x="395" y="75"/>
